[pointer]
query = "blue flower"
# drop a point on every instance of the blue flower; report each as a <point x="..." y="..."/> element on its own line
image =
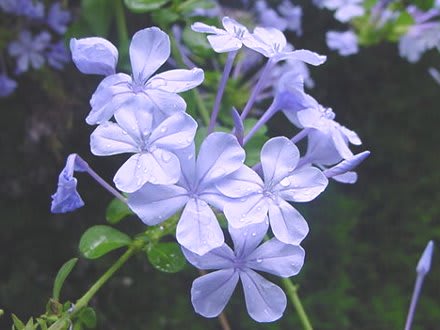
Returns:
<point x="198" y="229"/>
<point x="67" y="198"/>
<point x="29" y="8"/>
<point x="29" y="51"/>
<point x="265" y="301"/>
<point x="227" y="40"/>
<point x="345" y="10"/>
<point x="58" y="18"/>
<point x="255" y="199"/>
<point x="289" y="17"/>
<point x="7" y="85"/>
<point x="153" y="147"/>
<point x="345" y="43"/>
<point x="58" y="56"/>
<point x="149" y="49"/>
<point x="272" y="43"/>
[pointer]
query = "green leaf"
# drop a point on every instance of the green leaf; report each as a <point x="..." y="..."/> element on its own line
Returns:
<point x="164" y="17"/>
<point x="42" y="323"/>
<point x="144" y="6"/>
<point x="166" y="257"/>
<point x="88" y="317"/>
<point x="401" y="26"/>
<point x="61" y="277"/>
<point x="18" y="324"/>
<point x="116" y="211"/>
<point x="186" y="7"/>
<point x="99" y="240"/>
<point x="197" y="42"/>
<point x="30" y="325"/>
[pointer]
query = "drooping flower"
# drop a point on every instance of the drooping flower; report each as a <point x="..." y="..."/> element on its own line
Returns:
<point x="265" y="301"/>
<point x="345" y="43"/>
<point x="7" y="85"/>
<point x="29" y="51"/>
<point x="227" y="40"/>
<point x="153" y="147"/>
<point x="198" y="229"/>
<point x="255" y="198"/>
<point x="58" y="18"/>
<point x="149" y="49"/>
<point x="67" y="198"/>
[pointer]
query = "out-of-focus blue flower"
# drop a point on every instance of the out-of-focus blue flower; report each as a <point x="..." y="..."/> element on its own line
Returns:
<point x="265" y="301"/>
<point x="345" y="10"/>
<point x="29" y="51"/>
<point x="7" y="85"/>
<point x="255" y="199"/>
<point x="345" y="43"/>
<point x="94" y="55"/>
<point x="421" y="36"/>
<point x="149" y="49"/>
<point x="227" y="40"/>
<point x="153" y="147"/>
<point x="288" y="16"/>
<point x="67" y="198"/>
<point x="435" y="74"/>
<point x="198" y="229"/>
<point x="29" y="8"/>
<point x="58" y="18"/>
<point x="58" y="56"/>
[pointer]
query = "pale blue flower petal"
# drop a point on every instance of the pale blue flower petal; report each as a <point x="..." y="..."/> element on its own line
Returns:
<point x="210" y="293"/>
<point x="176" y="81"/>
<point x="265" y="301"/>
<point x="348" y="177"/>
<point x="247" y="210"/>
<point x="221" y="257"/>
<point x="175" y="132"/>
<point x="204" y="28"/>
<point x="321" y="149"/>
<point x="149" y="49"/>
<point x="110" y="95"/>
<point x="345" y="43"/>
<point x="135" y="117"/>
<point x="134" y="173"/>
<point x="287" y="224"/>
<point x="347" y="12"/>
<point x="277" y="258"/>
<point x="240" y="183"/>
<point x="246" y="239"/>
<point x="7" y="85"/>
<point x="198" y="229"/>
<point x="304" y="185"/>
<point x="220" y="154"/>
<point x="222" y="43"/>
<point x="94" y="55"/>
<point x="110" y="139"/>
<point x="303" y="55"/>
<point x="341" y="144"/>
<point x="347" y="165"/>
<point x="266" y="41"/>
<point x="165" y="104"/>
<point x="279" y="157"/>
<point x="156" y="203"/>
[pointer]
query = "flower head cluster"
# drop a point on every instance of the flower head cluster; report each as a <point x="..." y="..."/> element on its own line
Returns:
<point x="165" y="174"/>
<point x="32" y="50"/>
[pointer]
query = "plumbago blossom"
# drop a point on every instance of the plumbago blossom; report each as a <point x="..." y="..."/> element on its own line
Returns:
<point x="149" y="49"/>
<point x="142" y="115"/>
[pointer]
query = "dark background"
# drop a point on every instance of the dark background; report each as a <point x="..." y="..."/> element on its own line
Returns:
<point x="364" y="243"/>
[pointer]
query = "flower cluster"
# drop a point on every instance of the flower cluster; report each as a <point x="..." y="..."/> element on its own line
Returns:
<point x="166" y="174"/>
<point x="37" y="41"/>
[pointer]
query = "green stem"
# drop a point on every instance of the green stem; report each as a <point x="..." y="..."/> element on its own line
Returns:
<point x="84" y="300"/>
<point x="121" y="24"/>
<point x="292" y="292"/>
<point x="204" y="113"/>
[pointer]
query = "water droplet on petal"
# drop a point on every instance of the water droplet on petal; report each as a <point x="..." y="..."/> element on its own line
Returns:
<point x="254" y="234"/>
<point x="259" y="260"/>
<point x="285" y="182"/>
<point x="163" y="129"/>
<point x="166" y="157"/>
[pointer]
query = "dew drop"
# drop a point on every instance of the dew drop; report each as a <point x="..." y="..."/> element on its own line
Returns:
<point x="163" y="129"/>
<point x="166" y="157"/>
<point x="259" y="260"/>
<point x="285" y="182"/>
<point x="161" y="228"/>
<point x="254" y="234"/>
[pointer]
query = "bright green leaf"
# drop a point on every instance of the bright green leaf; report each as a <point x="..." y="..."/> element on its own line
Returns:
<point x="116" y="211"/>
<point x="18" y="324"/>
<point x="144" y="6"/>
<point x="166" y="257"/>
<point x="197" y="42"/>
<point x="99" y="240"/>
<point x="88" y="317"/>
<point x="61" y="277"/>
